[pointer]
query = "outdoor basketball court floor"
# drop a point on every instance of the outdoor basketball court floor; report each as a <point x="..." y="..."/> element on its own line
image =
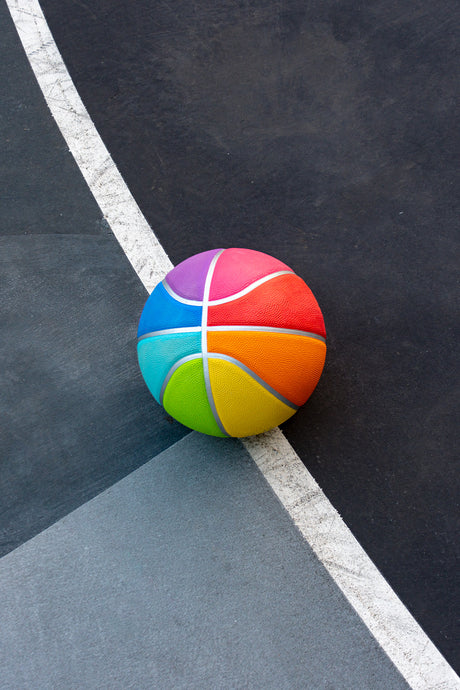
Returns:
<point x="135" y="553"/>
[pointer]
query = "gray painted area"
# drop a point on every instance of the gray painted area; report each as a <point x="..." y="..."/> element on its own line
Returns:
<point x="188" y="573"/>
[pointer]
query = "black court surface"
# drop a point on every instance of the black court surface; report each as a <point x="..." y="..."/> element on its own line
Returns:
<point x="133" y="552"/>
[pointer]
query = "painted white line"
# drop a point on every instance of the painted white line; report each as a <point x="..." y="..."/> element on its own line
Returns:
<point x="129" y="226"/>
<point x="392" y="625"/>
<point x="415" y="656"/>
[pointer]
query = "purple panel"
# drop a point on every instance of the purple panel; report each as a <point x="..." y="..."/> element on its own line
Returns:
<point x="187" y="279"/>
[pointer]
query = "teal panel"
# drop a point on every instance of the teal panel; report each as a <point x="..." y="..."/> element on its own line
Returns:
<point x="159" y="353"/>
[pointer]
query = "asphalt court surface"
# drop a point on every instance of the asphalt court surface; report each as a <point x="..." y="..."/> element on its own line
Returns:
<point x="324" y="135"/>
<point x="208" y="585"/>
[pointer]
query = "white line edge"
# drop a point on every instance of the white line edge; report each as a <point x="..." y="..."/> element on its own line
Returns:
<point x="398" y="633"/>
<point x="409" y="648"/>
<point x="116" y="202"/>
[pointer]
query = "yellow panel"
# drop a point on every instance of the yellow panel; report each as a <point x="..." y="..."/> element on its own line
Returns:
<point x="243" y="405"/>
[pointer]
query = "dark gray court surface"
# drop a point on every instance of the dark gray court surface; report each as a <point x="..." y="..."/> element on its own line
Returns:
<point x="76" y="415"/>
<point x="186" y="574"/>
<point x="326" y="134"/>
<point x="361" y="203"/>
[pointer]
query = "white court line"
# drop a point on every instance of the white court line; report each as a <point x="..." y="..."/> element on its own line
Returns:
<point x="129" y="226"/>
<point x="417" y="659"/>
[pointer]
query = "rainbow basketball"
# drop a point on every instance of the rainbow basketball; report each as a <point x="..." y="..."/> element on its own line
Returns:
<point x="231" y="342"/>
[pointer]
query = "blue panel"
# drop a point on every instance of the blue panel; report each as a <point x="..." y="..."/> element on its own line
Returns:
<point x="158" y="354"/>
<point x="163" y="311"/>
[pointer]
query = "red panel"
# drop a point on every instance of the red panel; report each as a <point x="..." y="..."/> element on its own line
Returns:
<point x="283" y="302"/>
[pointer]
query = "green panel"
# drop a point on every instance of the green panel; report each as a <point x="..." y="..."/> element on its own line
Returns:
<point x="186" y="400"/>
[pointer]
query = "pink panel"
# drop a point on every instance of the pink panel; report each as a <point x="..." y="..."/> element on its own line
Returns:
<point x="237" y="268"/>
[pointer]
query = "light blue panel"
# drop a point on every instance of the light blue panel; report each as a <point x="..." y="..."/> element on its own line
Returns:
<point x="157" y="355"/>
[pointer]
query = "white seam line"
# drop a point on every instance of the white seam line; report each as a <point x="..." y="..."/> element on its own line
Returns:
<point x="231" y="298"/>
<point x="170" y="331"/>
<point x="245" y="291"/>
<point x="268" y="329"/>
<point x="204" y="341"/>
<point x="183" y="300"/>
<point x="254" y="376"/>
<point x="175" y="366"/>
<point x="232" y="329"/>
<point x="394" y="628"/>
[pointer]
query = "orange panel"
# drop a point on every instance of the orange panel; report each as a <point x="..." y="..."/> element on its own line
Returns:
<point x="291" y="364"/>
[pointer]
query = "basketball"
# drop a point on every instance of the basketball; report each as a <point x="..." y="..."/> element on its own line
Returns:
<point x="232" y="342"/>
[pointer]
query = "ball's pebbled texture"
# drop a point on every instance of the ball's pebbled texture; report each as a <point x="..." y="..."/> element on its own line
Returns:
<point x="231" y="342"/>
